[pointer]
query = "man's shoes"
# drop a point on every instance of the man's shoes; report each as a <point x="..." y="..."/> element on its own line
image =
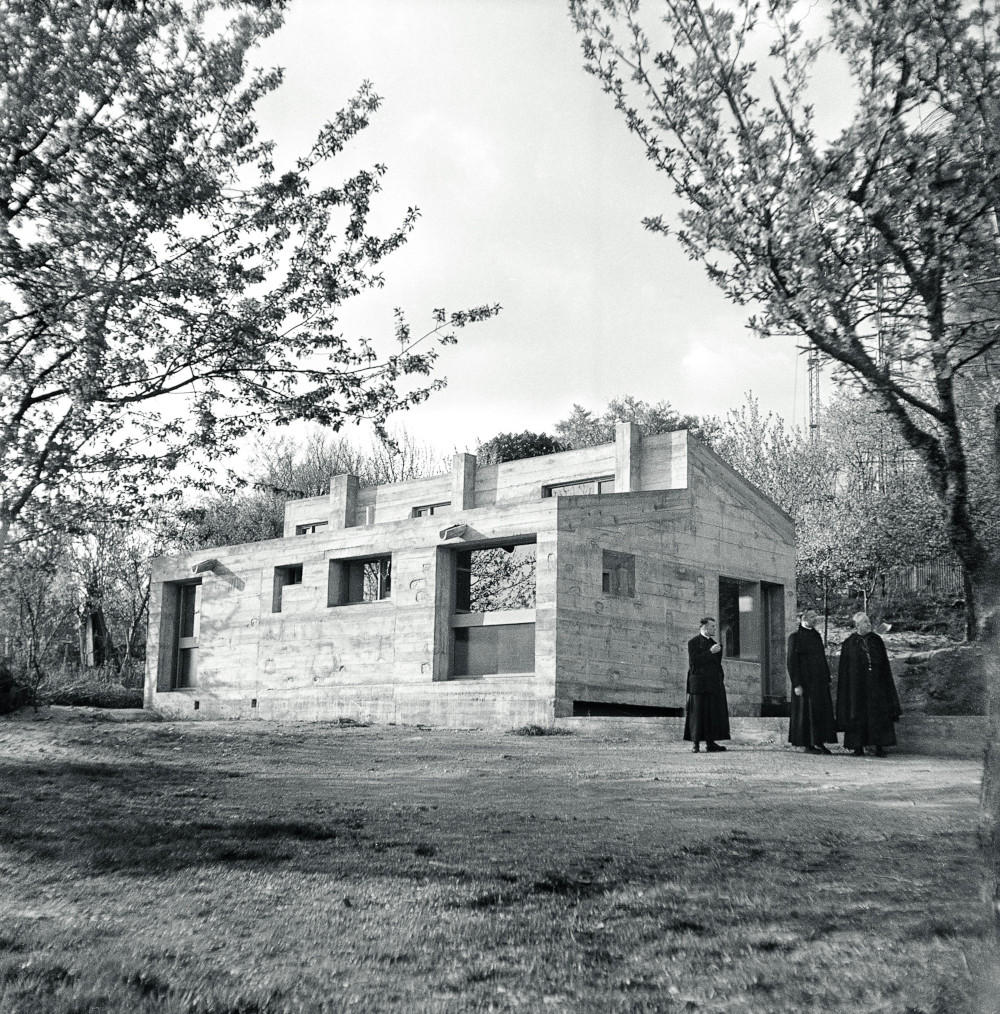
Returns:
<point x="696" y="748"/>
<point x="880" y="751"/>
<point x="814" y="749"/>
<point x="823" y="749"/>
<point x="714" y="748"/>
<point x="858" y="751"/>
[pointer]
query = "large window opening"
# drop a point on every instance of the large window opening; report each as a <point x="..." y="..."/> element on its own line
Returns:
<point x="180" y="632"/>
<point x="740" y="618"/>
<point x="495" y="579"/>
<point x="493" y="622"/>
<point x="356" y="581"/>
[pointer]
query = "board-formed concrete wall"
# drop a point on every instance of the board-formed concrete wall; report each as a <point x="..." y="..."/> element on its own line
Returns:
<point x="684" y="516"/>
<point x="633" y="650"/>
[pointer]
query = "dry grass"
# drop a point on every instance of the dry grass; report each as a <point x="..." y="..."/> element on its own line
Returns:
<point x="243" y="869"/>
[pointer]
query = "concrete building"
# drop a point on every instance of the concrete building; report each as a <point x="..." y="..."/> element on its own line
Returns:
<point x="494" y="595"/>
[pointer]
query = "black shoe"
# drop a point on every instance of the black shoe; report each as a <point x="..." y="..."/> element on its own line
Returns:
<point x="814" y="749"/>
<point x="880" y="751"/>
<point x="823" y="749"/>
<point x="714" y="748"/>
<point x="696" y="748"/>
<point x="858" y="751"/>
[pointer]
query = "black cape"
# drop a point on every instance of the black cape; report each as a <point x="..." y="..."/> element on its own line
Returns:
<point x="867" y="701"/>
<point x="811" y="721"/>
<point x="707" y="713"/>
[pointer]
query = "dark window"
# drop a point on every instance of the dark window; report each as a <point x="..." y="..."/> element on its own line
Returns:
<point x="310" y="529"/>
<point x="428" y="509"/>
<point x="353" y="581"/>
<point x="496" y="648"/>
<point x="289" y="574"/>
<point x="618" y="574"/>
<point x="739" y="618"/>
<point x="495" y="579"/>
<point x="583" y="487"/>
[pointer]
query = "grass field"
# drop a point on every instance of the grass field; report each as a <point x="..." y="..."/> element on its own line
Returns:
<point x="224" y="868"/>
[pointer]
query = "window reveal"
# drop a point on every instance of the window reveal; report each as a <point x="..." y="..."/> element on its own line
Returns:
<point x="355" y="581"/>
<point x="286" y="575"/>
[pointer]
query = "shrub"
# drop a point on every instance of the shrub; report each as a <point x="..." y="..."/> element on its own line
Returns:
<point x="93" y="688"/>
<point x="539" y="730"/>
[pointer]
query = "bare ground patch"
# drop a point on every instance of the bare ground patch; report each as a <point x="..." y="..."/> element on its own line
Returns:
<point x="219" y="867"/>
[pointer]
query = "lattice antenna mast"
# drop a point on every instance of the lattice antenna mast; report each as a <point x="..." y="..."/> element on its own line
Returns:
<point x="814" y="405"/>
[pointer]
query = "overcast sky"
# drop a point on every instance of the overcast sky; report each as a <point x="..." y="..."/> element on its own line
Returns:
<point x="531" y="193"/>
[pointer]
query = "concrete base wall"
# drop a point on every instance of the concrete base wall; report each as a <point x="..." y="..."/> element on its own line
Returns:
<point x="460" y="704"/>
<point x="938" y="736"/>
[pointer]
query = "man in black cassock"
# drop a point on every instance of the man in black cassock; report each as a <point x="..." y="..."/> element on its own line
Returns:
<point x="707" y="713"/>
<point x="811" y="721"/>
<point x="867" y="703"/>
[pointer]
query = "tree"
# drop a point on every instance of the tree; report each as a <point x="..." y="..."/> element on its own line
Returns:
<point x="877" y="248"/>
<point x="39" y="613"/>
<point x="860" y="502"/>
<point x="583" y="429"/>
<point x="165" y="288"/>
<point x="780" y="461"/>
<point x="515" y="446"/>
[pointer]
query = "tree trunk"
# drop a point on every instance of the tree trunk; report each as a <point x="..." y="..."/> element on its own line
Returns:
<point x="985" y="589"/>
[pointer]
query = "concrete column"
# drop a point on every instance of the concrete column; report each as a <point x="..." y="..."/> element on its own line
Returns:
<point x="463" y="482"/>
<point x="628" y="458"/>
<point x="343" y="500"/>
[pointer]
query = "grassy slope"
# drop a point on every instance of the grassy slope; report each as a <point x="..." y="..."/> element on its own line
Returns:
<point x="247" y="868"/>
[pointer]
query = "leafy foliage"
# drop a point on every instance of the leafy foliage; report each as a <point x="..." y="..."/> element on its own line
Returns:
<point x="501" y="578"/>
<point x="515" y="446"/>
<point x="876" y="248"/>
<point x="582" y="428"/>
<point x="165" y="287"/>
<point x="861" y="502"/>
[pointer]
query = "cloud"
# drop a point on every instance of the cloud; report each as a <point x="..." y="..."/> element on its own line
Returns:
<point x="701" y="359"/>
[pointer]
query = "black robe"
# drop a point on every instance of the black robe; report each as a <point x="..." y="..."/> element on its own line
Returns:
<point x="707" y="712"/>
<point x="811" y="715"/>
<point x="867" y="702"/>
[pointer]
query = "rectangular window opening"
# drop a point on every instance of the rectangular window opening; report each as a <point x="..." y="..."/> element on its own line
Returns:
<point x="495" y="579"/>
<point x="310" y="529"/>
<point x="498" y="648"/>
<point x="181" y="633"/>
<point x="582" y="487"/>
<point x="740" y="618"/>
<point x="618" y="574"/>
<point x="428" y="510"/>
<point x="355" y="581"/>
<point x="289" y="574"/>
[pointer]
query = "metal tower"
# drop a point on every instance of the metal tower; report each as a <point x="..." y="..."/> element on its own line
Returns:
<point x="814" y="406"/>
